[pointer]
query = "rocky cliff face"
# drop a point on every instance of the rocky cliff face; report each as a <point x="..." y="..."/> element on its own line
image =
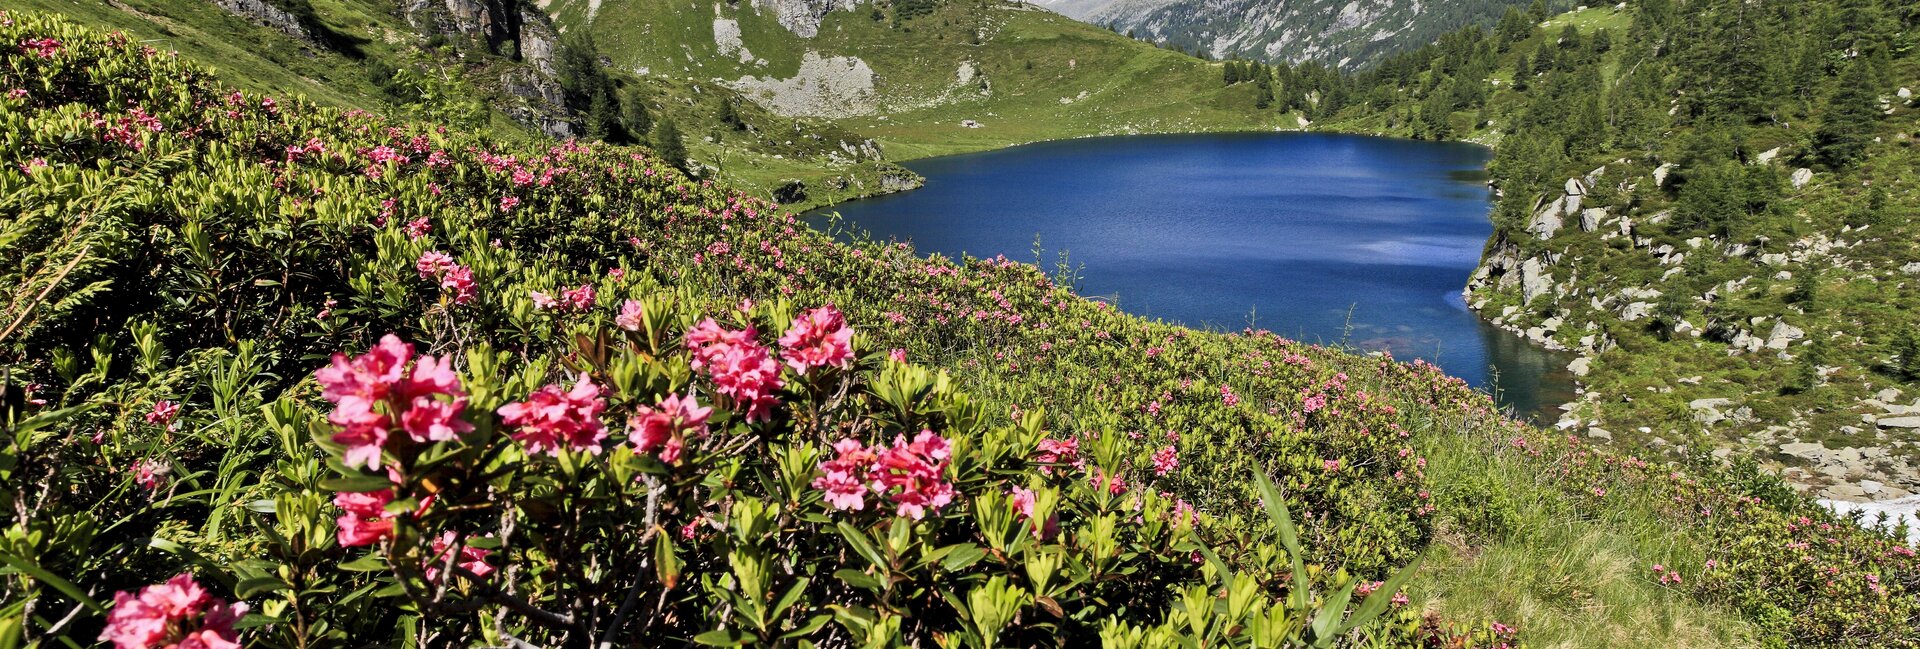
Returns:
<point x="520" y="35"/>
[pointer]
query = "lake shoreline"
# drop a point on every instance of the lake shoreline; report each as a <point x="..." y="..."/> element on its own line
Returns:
<point x="1461" y="180"/>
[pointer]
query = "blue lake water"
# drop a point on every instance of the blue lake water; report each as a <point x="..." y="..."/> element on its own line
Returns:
<point x="1322" y="238"/>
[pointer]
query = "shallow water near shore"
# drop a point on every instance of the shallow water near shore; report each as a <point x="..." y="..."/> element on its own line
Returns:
<point x="1332" y="239"/>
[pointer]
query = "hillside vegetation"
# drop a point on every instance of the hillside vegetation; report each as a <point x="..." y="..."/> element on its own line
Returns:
<point x="288" y="375"/>
<point x="910" y="74"/>
<point x="1712" y="202"/>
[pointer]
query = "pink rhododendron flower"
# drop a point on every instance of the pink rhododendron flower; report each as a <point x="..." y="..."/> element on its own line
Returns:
<point x="631" y="317"/>
<point x="844" y="477"/>
<point x="897" y="354"/>
<point x="433" y="420"/>
<point x="381" y="378"/>
<point x="459" y="280"/>
<point x="1022" y="500"/>
<point x="543" y="301"/>
<point x="366" y="519"/>
<point x="177" y="614"/>
<point x="1055" y="451"/>
<point x="741" y="368"/>
<point x="432" y="264"/>
<point x="418" y="228"/>
<point x="818" y="338"/>
<point x="471" y="559"/>
<point x="551" y="419"/>
<point x="578" y="299"/>
<point x="662" y="431"/>
<point x="42" y="47"/>
<point x="1165" y="461"/>
<point x="507" y="203"/>
<point x="1114" y="483"/>
<point x="151" y="473"/>
<point x="163" y="413"/>
<point x="915" y="473"/>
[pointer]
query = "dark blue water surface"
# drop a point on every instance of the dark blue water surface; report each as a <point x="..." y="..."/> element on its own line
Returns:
<point x="1323" y="238"/>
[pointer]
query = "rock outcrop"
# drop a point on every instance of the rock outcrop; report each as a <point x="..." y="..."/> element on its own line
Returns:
<point x="266" y="15"/>
<point x="802" y="17"/>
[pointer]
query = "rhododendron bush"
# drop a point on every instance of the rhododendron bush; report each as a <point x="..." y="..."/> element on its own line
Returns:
<point x="283" y="375"/>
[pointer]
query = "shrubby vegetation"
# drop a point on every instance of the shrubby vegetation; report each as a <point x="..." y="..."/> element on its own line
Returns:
<point x="1695" y="119"/>
<point x="391" y="383"/>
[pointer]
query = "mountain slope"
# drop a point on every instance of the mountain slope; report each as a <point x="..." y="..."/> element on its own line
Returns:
<point x="912" y="74"/>
<point x="1343" y="33"/>
<point x="182" y="264"/>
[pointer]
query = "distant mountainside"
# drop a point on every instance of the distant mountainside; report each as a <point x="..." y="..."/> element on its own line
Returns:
<point x="1344" y="33"/>
<point x="922" y="77"/>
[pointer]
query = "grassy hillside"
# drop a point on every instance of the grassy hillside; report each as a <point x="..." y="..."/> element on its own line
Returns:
<point x="1023" y="73"/>
<point x="183" y="264"/>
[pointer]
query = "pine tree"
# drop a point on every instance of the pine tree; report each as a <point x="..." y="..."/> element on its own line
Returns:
<point x="1906" y="352"/>
<point x="1522" y="72"/>
<point x="667" y="143"/>
<point x="634" y="115"/>
<point x="1513" y="28"/>
<point x="1848" y="124"/>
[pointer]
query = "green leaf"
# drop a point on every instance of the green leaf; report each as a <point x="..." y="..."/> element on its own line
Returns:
<point x="366" y="563"/>
<point x="813" y="624"/>
<point x="721" y="638"/>
<point x="862" y="545"/>
<point x="356" y="483"/>
<point x="666" y="563"/>
<point x="1282" y="520"/>
<point x="960" y="556"/>
<point x="786" y="601"/>
<point x="252" y="586"/>
<point x="858" y="579"/>
<point x="25" y="565"/>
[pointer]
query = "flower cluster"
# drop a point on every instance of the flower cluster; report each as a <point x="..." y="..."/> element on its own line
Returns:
<point x="455" y="278"/>
<point x="373" y="391"/>
<point x="912" y="475"/>
<point x="662" y="431"/>
<point x="1165" y="460"/>
<point x="741" y="368"/>
<point x="1058" y="451"/>
<point x="163" y="413"/>
<point x="631" y="317"/>
<point x="580" y="298"/>
<point x="42" y="47"/>
<point x="364" y="519"/>
<point x="818" y="338"/>
<point x="178" y="613"/>
<point x="551" y="419"/>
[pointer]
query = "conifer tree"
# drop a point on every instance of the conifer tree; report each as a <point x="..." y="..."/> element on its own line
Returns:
<point x="667" y="142"/>
<point x="1848" y="123"/>
<point x="634" y="115"/>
